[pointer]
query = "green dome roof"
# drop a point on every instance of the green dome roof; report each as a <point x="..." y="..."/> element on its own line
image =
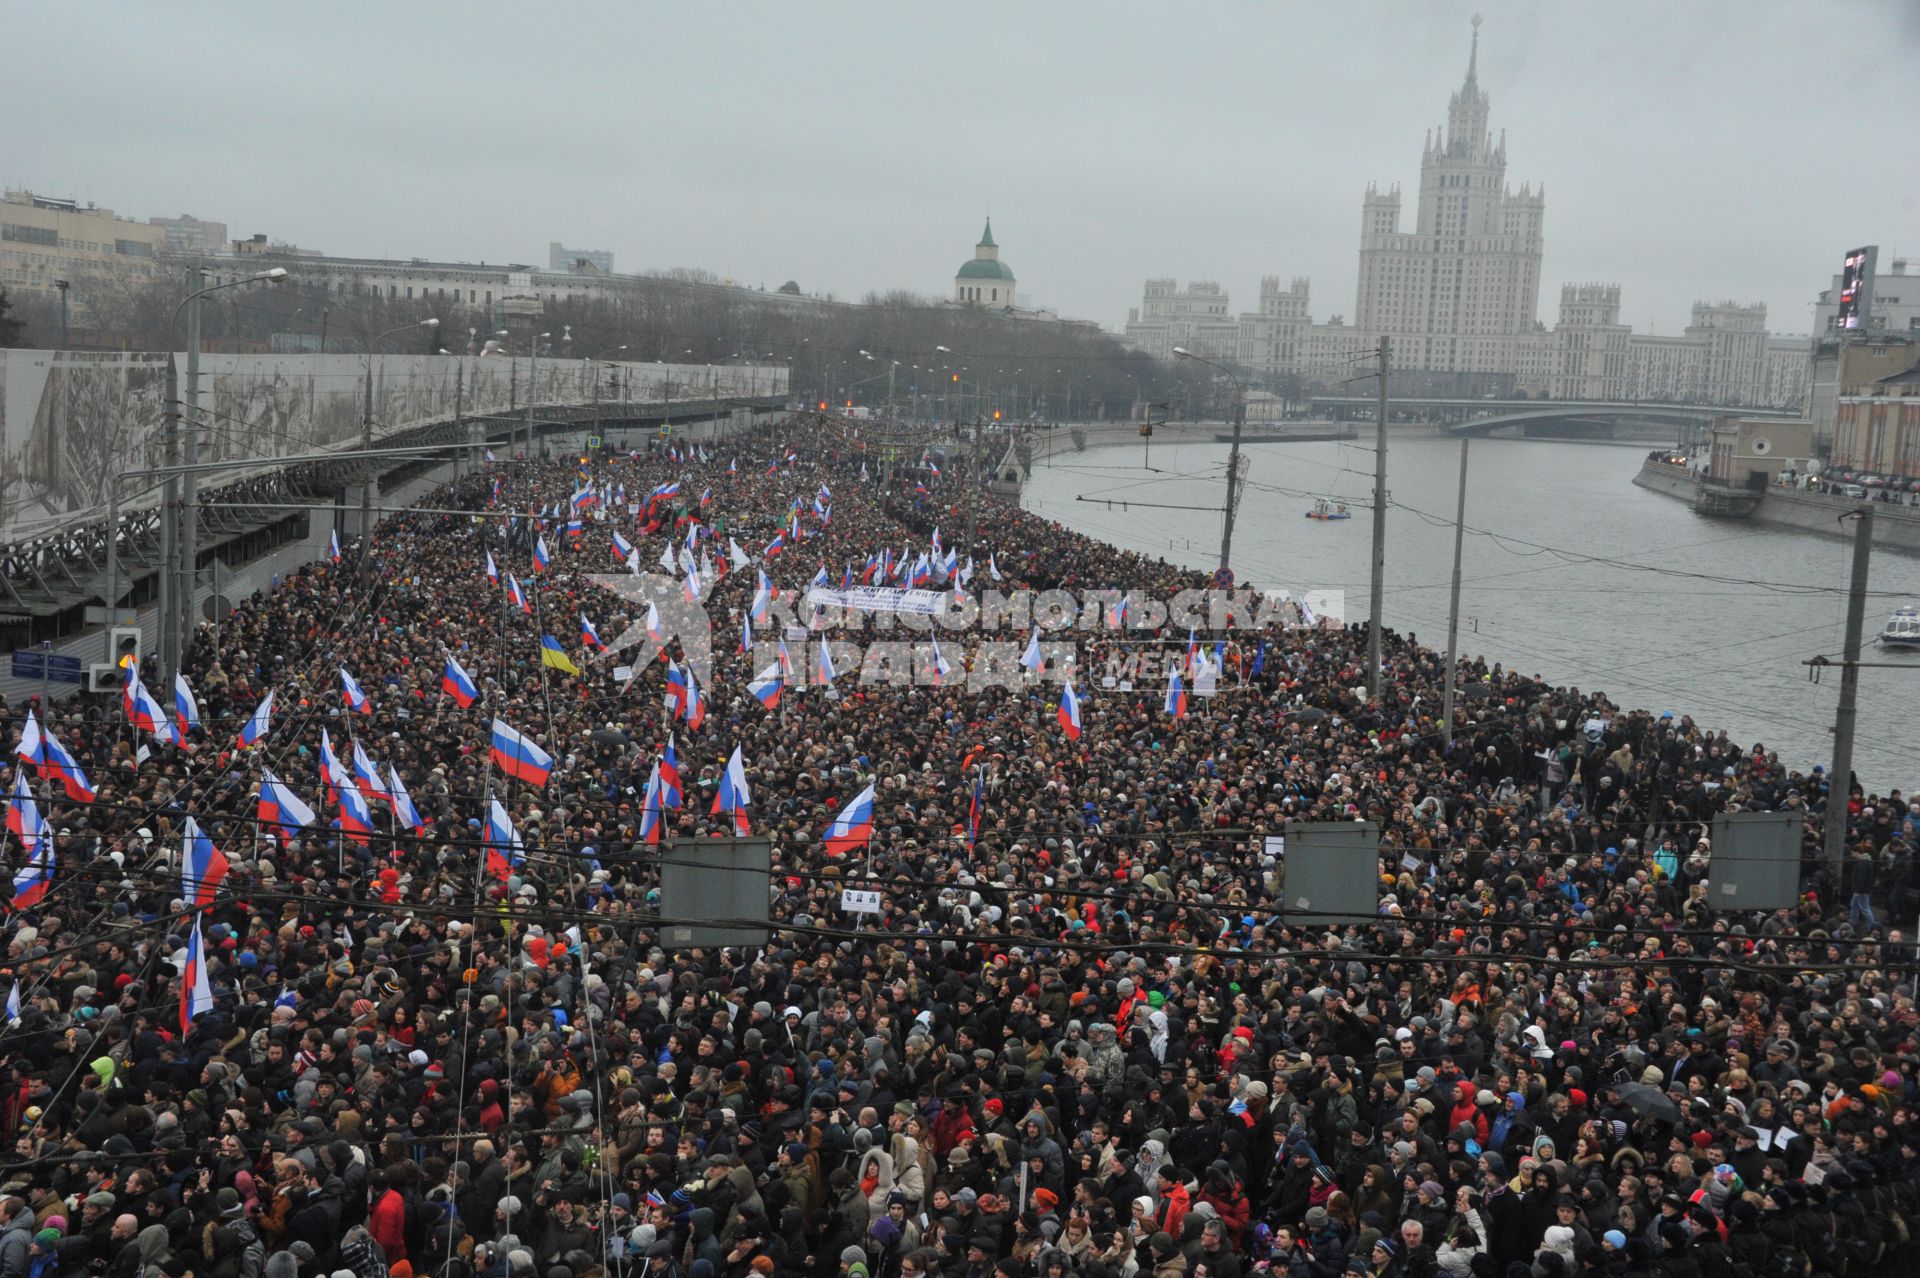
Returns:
<point x="984" y="270"/>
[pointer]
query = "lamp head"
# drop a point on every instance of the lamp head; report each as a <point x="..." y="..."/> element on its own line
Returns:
<point x="430" y="323"/>
<point x="273" y="276"/>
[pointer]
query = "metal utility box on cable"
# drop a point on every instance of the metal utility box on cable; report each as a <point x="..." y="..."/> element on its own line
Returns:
<point x="1332" y="872"/>
<point x="716" y="892"/>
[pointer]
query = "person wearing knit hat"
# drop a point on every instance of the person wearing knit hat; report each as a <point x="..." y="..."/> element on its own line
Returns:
<point x="1614" y="1240"/>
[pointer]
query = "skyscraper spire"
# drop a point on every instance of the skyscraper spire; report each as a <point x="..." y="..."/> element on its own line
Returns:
<point x="1473" y="56"/>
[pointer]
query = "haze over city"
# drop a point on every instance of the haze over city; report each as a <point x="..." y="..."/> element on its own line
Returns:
<point x="1687" y="152"/>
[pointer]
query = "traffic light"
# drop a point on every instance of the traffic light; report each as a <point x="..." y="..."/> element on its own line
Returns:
<point x="956" y="377"/>
<point x="125" y="642"/>
<point x="996" y="414"/>
<point x="823" y="405"/>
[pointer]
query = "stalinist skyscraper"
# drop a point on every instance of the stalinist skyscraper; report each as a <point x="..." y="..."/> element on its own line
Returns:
<point x="1456" y="291"/>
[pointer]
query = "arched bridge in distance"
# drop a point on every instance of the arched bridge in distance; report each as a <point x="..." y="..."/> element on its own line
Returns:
<point x="1540" y="418"/>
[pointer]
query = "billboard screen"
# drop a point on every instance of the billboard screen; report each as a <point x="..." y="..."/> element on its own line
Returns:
<point x="1856" y="288"/>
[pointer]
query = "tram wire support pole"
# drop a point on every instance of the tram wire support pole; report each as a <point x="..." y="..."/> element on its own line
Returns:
<point x="179" y="517"/>
<point x="1233" y="457"/>
<point x="1378" y="590"/>
<point x="366" y="445"/>
<point x="1833" y="822"/>
<point x="1453" y="601"/>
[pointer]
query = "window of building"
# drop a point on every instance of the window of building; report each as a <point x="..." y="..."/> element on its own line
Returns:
<point x="29" y="234"/>
<point x="409" y="292"/>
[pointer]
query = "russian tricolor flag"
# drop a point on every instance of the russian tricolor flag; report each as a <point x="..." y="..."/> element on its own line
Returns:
<point x="281" y="806"/>
<point x="622" y="548"/>
<point x="502" y="844"/>
<point x="823" y="667"/>
<point x="404" y="813"/>
<point x="23" y="814"/>
<point x="202" y="866"/>
<point x="669" y="768"/>
<point x="186" y="710"/>
<point x="356" y="698"/>
<point x="333" y="774"/>
<point x="196" y="992"/>
<point x="257" y="725"/>
<point x="519" y="595"/>
<point x="40" y="748"/>
<point x="333" y="545"/>
<point x="734" y="796"/>
<point x="458" y="684"/>
<point x="519" y="757"/>
<point x="143" y="709"/>
<point x="650" y="810"/>
<point x="696" y="704"/>
<point x="493" y="569"/>
<point x="540" y="558"/>
<point x="1176" y="703"/>
<point x="356" y="818"/>
<point x="676" y="689"/>
<point x="366" y="776"/>
<point x="762" y="599"/>
<point x="590" y="637"/>
<point x="1069" y="712"/>
<point x="35" y="877"/>
<point x="767" y="685"/>
<point x="853" y="828"/>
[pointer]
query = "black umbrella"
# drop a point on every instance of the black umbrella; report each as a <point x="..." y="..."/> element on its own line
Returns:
<point x="608" y="737"/>
<point x="1649" y="1102"/>
<point x="1311" y="714"/>
<point x="1476" y="692"/>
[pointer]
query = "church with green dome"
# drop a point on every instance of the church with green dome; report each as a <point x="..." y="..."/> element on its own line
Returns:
<point x="984" y="280"/>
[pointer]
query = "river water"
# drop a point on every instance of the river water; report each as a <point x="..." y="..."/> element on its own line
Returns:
<point x="1697" y="616"/>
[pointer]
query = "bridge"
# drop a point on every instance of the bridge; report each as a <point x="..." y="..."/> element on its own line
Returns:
<point x="1541" y="418"/>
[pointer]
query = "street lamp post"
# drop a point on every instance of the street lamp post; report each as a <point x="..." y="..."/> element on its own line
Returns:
<point x="533" y="378"/>
<point x="366" y="440"/>
<point x="1233" y="458"/>
<point x="180" y="525"/>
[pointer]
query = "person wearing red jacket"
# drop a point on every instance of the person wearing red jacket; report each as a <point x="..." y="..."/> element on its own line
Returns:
<point x="1466" y="1111"/>
<point x="953" y="1124"/>
<point x="387" y="1221"/>
<point x="1175" y="1202"/>
<point x="1224" y="1192"/>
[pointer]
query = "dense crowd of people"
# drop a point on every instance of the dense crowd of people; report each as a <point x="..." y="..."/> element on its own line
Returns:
<point x="1081" y="1038"/>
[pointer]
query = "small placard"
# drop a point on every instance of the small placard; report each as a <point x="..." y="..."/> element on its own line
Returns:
<point x="622" y="674"/>
<point x="859" y="901"/>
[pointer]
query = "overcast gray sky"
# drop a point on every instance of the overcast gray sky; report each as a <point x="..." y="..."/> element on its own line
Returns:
<point x="1688" y="150"/>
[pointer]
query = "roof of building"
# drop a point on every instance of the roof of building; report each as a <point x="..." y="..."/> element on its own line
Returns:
<point x="986" y="236"/>
<point x="980" y="269"/>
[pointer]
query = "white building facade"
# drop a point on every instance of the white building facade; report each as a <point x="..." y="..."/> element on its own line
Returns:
<point x="1458" y="293"/>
